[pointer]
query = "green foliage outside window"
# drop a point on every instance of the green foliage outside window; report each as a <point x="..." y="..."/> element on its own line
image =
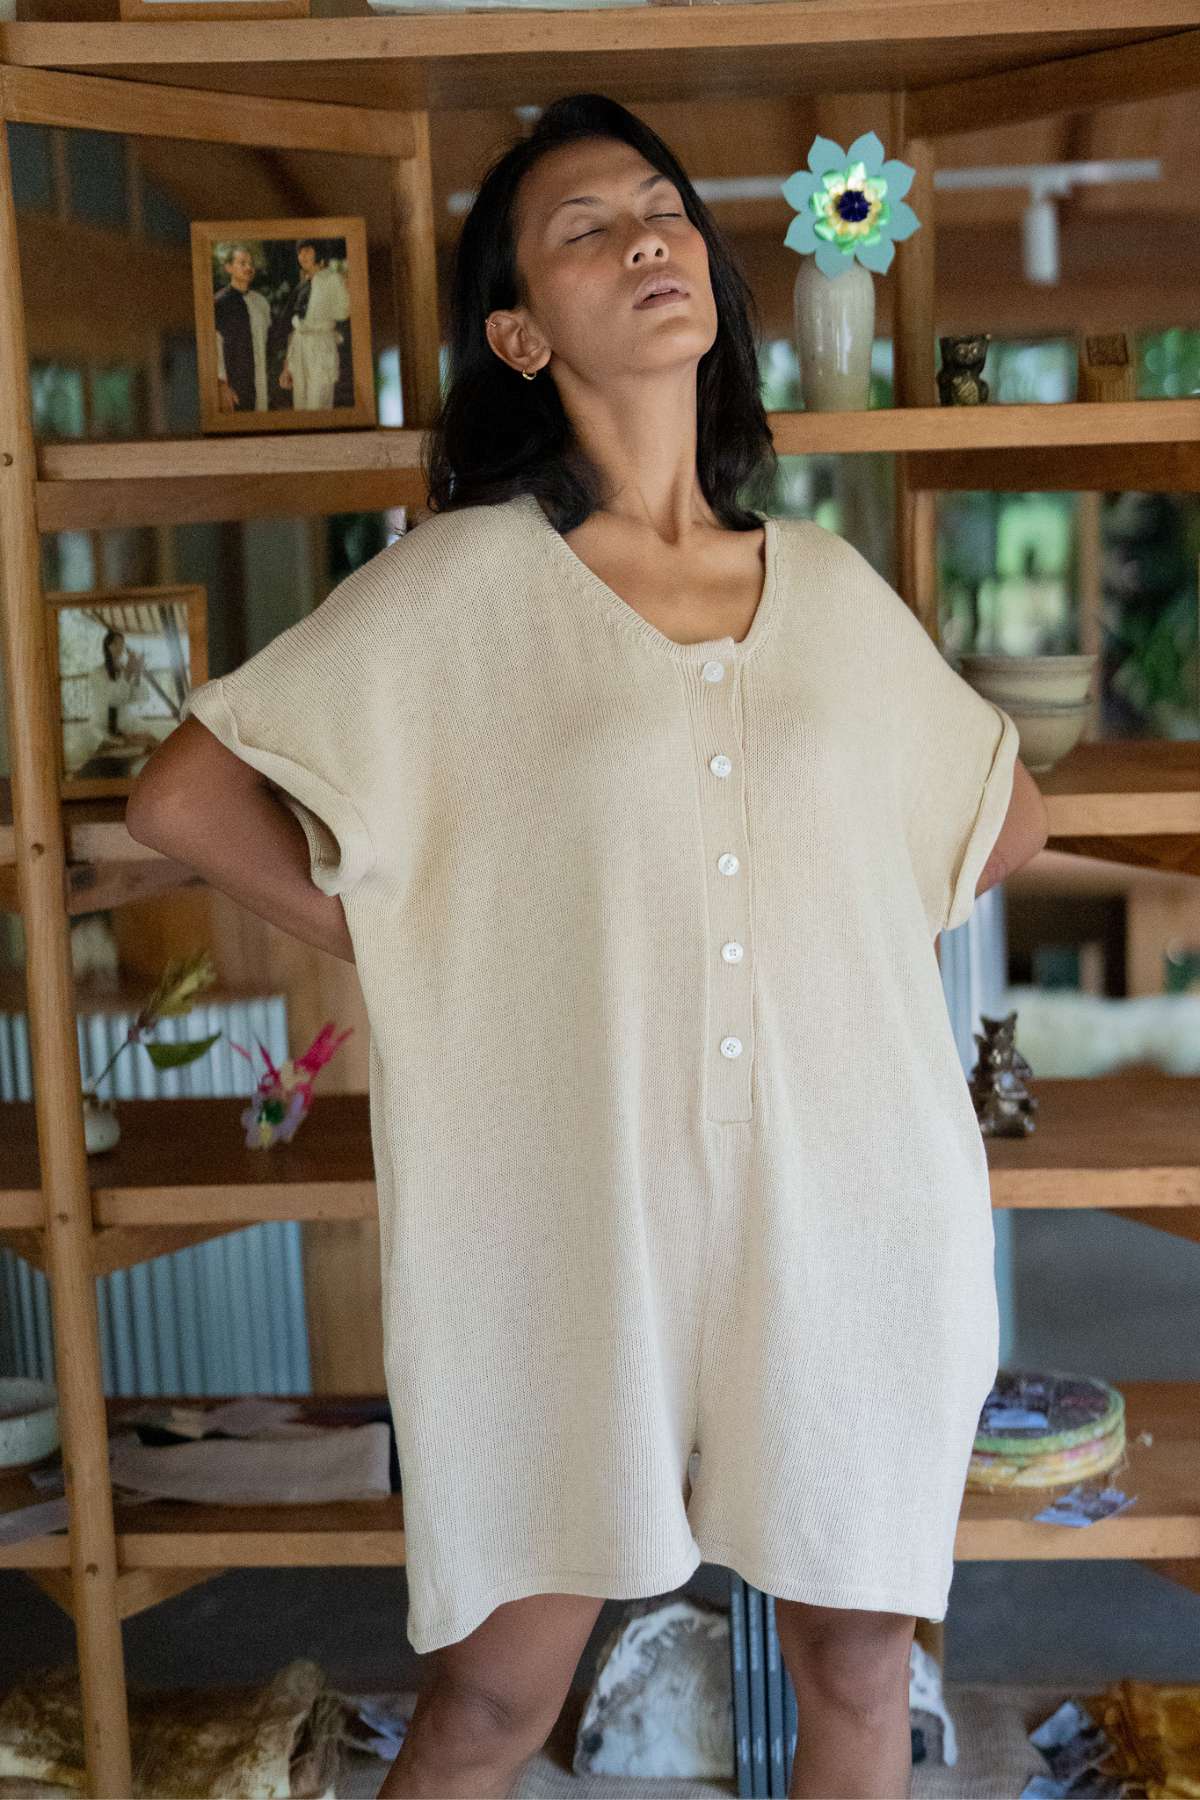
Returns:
<point x="1009" y="563"/>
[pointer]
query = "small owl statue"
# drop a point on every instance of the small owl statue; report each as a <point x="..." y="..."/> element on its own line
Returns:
<point x="1003" y="1104"/>
<point x="960" y="378"/>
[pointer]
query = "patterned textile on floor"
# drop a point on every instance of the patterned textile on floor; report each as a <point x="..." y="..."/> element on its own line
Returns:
<point x="1155" y="1731"/>
<point x="278" y="1741"/>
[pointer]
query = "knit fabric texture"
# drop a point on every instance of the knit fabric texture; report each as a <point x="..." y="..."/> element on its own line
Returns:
<point x="685" y="1221"/>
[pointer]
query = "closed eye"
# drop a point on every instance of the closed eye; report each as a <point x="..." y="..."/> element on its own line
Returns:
<point x="595" y="228"/>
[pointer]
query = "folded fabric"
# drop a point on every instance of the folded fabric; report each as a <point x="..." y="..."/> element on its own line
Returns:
<point x="349" y="1463"/>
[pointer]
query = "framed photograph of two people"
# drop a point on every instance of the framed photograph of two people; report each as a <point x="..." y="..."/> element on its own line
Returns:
<point x="283" y="325"/>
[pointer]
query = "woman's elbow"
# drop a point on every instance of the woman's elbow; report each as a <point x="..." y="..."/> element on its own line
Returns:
<point x="162" y="786"/>
<point x="148" y="806"/>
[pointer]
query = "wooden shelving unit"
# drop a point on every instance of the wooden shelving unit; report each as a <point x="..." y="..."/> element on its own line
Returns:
<point x="365" y="86"/>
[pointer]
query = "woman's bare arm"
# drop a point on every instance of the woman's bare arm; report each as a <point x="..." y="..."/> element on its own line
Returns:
<point x="1023" y="833"/>
<point x="198" y="803"/>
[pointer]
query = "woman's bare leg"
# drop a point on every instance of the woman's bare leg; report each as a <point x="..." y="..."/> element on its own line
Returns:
<point x="849" y="1668"/>
<point x="492" y="1700"/>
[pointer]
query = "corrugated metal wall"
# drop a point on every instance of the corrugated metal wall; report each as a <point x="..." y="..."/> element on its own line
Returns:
<point x="226" y="1316"/>
<point x="974" y="962"/>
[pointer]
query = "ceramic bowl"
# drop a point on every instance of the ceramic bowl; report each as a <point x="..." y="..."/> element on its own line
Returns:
<point x="1047" y="733"/>
<point x="28" y="1420"/>
<point x="1048" y="680"/>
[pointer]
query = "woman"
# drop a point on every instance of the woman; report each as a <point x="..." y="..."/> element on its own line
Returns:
<point x="115" y="683"/>
<point x="320" y="303"/>
<point x="645" y="811"/>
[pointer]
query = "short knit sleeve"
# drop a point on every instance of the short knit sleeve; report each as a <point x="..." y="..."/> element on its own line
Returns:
<point x="295" y="712"/>
<point x="955" y="758"/>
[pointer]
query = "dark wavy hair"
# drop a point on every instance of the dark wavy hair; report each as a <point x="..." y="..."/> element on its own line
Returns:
<point x="496" y="435"/>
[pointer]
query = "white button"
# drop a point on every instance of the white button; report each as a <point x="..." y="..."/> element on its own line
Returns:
<point x="731" y="1046"/>
<point x="728" y="863"/>
<point x="720" y="765"/>
<point x="732" y="952"/>
<point x="713" y="671"/>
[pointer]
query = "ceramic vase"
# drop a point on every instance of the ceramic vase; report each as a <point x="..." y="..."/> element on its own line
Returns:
<point x="834" y="327"/>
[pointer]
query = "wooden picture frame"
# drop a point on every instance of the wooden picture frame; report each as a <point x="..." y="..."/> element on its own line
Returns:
<point x="214" y="9"/>
<point x="98" y="752"/>
<point x="286" y="371"/>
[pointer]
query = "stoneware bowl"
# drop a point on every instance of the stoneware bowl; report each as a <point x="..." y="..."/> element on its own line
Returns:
<point x="1046" y="736"/>
<point x="28" y="1420"/>
<point x="1045" y="696"/>
<point x="1046" y="680"/>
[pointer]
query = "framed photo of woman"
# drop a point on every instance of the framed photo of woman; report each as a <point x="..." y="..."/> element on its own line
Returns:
<point x="124" y="661"/>
<point x="283" y="324"/>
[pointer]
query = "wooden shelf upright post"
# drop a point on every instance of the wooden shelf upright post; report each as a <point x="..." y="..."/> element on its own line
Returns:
<point x="96" y="1597"/>
<point x="913" y="326"/>
<point x="414" y="276"/>
<point x="57" y="1081"/>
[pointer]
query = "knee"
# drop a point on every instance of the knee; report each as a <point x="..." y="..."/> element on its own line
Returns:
<point x="481" y="1720"/>
<point x="854" y="1660"/>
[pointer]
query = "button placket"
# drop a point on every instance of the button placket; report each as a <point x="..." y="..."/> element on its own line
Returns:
<point x="715" y="688"/>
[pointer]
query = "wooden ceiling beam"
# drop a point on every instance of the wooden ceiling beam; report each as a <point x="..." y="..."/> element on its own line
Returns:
<point x="152" y="109"/>
<point x="1151" y="69"/>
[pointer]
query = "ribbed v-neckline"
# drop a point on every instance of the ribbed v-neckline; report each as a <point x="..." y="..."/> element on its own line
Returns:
<point x="623" y="613"/>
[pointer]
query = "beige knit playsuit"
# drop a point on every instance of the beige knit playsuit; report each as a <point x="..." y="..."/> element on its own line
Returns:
<point x="673" y="1146"/>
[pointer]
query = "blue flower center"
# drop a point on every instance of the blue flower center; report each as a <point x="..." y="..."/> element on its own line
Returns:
<point x="852" y="204"/>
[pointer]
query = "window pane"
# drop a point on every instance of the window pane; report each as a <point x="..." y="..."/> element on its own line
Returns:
<point x="67" y="562"/>
<point x="162" y="217"/>
<point x="96" y="161"/>
<point x="29" y="151"/>
<point x="57" y="397"/>
<point x="116" y="401"/>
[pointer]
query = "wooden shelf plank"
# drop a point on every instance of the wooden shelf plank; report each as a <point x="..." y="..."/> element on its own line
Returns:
<point x="1128" y="1140"/>
<point x="215" y="458"/>
<point x="942" y="430"/>
<point x="152" y="1535"/>
<point x="88" y="486"/>
<point x="501" y="57"/>
<point x="1076" y="444"/>
<point x="175" y="1536"/>
<point x="184" y="1162"/>
<point x="1163" y="1522"/>
<point x="1160" y="468"/>
<point x="1125" y="788"/>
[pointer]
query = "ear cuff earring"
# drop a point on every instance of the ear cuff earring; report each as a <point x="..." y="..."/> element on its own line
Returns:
<point x="530" y="375"/>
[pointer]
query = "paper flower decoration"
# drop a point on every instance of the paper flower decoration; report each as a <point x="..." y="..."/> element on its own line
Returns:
<point x="180" y="982"/>
<point x="284" y="1094"/>
<point x="849" y="203"/>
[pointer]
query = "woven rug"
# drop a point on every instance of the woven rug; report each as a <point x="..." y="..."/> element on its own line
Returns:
<point x="995" y="1758"/>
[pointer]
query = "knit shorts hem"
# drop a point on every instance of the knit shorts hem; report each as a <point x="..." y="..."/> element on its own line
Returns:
<point x="920" y="1602"/>
<point x="599" y="1584"/>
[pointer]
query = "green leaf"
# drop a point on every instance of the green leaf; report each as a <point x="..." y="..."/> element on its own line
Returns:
<point x="174" y="1056"/>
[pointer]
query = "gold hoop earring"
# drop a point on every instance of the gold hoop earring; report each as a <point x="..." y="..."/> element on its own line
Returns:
<point x="529" y="374"/>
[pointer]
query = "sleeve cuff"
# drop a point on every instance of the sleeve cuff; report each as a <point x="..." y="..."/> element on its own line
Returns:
<point x="339" y="845"/>
<point x="989" y="820"/>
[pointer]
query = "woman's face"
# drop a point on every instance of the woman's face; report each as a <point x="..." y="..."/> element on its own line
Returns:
<point x="594" y="219"/>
